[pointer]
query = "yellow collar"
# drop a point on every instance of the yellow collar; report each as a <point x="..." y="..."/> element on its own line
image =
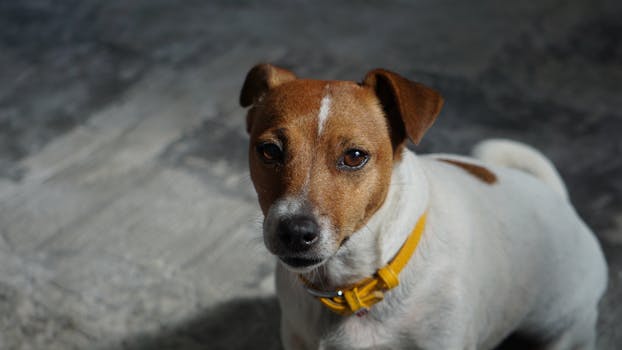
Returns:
<point x="359" y="297"/>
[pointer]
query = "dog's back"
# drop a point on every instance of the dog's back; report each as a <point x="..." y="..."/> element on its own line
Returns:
<point x="523" y="157"/>
<point x="524" y="247"/>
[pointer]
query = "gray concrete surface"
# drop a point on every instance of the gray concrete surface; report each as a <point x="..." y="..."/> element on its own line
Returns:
<point x="127" y="218"/>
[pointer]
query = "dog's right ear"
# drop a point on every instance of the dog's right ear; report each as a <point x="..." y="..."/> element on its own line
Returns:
<point x="260" y="79"/>
<point x="410" y="106"/>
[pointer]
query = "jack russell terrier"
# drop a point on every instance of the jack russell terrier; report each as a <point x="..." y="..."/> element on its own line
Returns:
<point x="379" y="248"/>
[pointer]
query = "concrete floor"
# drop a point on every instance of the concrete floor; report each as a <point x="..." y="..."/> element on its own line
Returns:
<point x="127" y="218"/>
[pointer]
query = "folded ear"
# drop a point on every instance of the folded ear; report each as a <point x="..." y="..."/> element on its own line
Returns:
<point x="410" y="107"/>
<point x="260" y="79"/>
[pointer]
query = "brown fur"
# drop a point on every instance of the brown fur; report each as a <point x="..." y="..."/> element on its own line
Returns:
<point x="288" y="115"/>
<point x="285" y="111"/>
<point x="411" y="107"/>
<point x="260" y="79"/>
<point x="481" y="173"/>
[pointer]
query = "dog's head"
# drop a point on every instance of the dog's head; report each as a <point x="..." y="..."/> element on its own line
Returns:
<point x="322" y="152"/>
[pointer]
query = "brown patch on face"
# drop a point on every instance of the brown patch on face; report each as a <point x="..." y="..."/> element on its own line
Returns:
<point x="288" y="116"/>
<point x="478" y="171"/>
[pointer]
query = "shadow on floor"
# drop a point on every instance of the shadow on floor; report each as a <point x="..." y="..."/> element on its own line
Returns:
<point x="234" y="325"/>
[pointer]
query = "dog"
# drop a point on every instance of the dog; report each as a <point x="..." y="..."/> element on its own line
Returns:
<point x="379" y="248"/>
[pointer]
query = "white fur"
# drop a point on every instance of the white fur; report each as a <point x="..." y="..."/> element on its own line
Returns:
<point x="324" y="111"/>
<point x="520" y="156"/>
<point x="493" y="259"/>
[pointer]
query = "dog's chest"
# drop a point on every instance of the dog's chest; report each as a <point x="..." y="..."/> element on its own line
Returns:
<point x="405" y="332"/>
<point x="387" y="329"/>
<point x="362" y="333"/>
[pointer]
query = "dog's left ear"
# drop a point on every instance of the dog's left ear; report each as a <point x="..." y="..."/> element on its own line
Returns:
<point x="410" y="107"/>
<point x="261" y="79"/>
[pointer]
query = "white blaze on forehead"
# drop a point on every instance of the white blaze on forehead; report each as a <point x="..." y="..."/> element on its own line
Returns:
<point x="324" y="110"/>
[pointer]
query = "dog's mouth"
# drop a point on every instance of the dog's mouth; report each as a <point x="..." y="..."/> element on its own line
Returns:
<point x="300" y="263"/>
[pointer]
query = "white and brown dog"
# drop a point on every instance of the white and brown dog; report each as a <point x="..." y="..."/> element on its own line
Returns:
<point x="501" y="249"/>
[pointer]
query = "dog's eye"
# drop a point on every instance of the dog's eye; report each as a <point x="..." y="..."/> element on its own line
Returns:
<point x="353" y="159"/>
<point x="270" y="152"/>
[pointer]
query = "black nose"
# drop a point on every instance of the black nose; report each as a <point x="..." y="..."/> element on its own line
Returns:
<point x="299" y="233"/>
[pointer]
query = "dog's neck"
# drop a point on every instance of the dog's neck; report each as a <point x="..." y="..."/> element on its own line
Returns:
<point x="374" y="245"/>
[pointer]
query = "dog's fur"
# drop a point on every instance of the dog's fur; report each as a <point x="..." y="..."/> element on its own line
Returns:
<point x="503" y="251"/>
